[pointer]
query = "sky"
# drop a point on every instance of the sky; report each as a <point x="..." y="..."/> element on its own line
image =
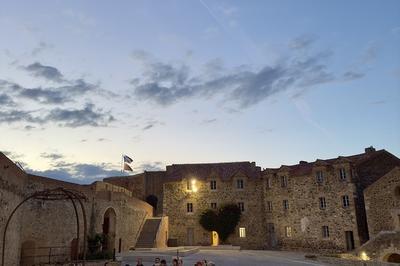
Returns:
<point x="274" y="82"/>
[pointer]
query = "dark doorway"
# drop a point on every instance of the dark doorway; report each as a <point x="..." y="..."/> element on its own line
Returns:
<point x="109" y="229"/>
<point x="152" y="200"/>
<point x="394" y="258"/>
<point x="272" y="240"/>
<point x="349" y="240"/>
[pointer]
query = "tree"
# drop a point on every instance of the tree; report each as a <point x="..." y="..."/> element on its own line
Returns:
<point x="223" y="222"/>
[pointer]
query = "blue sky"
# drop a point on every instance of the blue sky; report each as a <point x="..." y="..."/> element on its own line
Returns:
<point x="275" y="82"/>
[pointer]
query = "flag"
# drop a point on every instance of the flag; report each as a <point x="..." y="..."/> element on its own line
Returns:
<point x="127" y="159"/>
<point x="127" y="167"/>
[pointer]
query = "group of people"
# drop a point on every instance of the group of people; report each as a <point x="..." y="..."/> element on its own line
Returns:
<point x="175" y="262"/>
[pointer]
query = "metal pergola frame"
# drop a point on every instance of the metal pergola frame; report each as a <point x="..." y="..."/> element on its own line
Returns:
<point x="56" y="194"/>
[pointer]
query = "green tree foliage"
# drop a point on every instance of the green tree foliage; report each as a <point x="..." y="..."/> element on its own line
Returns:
<point x="223" y="222"/>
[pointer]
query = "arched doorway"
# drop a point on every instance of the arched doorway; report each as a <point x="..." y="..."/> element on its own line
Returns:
<point x="109" y="229"/>
<point x="214" y="238"/>
<point x="393" y="257"/>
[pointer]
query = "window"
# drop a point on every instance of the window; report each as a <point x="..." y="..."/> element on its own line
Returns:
<point x="288" y="231"/>
<point x="213" y="184"/>
<point x="284" y="181"/>
<point x="269" y="183"/>
<point x="213" y="205"/>
<point x="241" y="206"/>
<point x="239" y="183"/>
<point x="325" y="231"/>
<point x="242" y="232"/>
<point x="342" y="174"/>
<point x="189" y="207"/>
<point x="322" y="203"/>
<point x="285" y="204"/>
<point x="189" y="184"/>
<point x="320" y="177"/>
<point x="346" y="201"/>
<point x="269" y="206"/>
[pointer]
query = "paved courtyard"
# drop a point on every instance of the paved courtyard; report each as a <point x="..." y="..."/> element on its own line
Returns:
<point x="235" y="257"/>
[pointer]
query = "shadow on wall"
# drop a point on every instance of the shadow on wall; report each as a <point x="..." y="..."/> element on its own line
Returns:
<point x="109" y="229"/>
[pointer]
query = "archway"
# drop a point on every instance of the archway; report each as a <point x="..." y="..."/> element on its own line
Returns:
<point x="109" y="229"/>
<point x="393" y="257"/>
<point x="153" y="201"/>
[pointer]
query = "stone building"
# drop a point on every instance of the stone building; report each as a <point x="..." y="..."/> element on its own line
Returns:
<point x="320" y="205"/>
<point x="326" y="205"/>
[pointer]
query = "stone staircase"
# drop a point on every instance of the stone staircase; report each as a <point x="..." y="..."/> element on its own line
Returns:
<point x="148" y="234"/>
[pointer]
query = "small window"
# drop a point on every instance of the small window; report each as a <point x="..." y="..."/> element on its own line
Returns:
<point x="284" y="181"/>
<point x="288" y="231"/>
<point x="239" y="184"/>
<point x="285" y="204"/>
<point x="322" y="203"/>
<point x="346" y="201"/>
<point x="241" y="206"/>
<point x="189" y="207"/>
<point x="242" y="232"/>
<point x="397" y="192"/>
<point x="189" y="184"/>
<point x="325" y="231"/>
<point x="269" y="183"/>
<point x="269" y="206"/>
<point x="213" y="205"/>
<point x="320" y="177"/>
<point x="213" y="184"/>
<point x="342" y="174"/>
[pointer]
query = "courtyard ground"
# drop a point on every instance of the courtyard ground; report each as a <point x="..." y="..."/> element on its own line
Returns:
<point x="227" y="257"/>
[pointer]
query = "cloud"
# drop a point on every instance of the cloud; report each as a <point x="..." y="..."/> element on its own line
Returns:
<point x="47" y="72"/>
<point x="42" y="46"/>
<point x="52" y="156"/>
<point x="49" y="95"/>
<point x="302" y="42"/>
<point x="351" y="75"/>
<point x="6" y="100"/>
<point x="166" y="84"/>
<point x="209" y="121"/>
<point x="87" y="116"/>
<point x="85" y="173"/>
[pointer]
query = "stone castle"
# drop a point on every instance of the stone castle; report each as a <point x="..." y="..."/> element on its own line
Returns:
<point x="336" y="205"/>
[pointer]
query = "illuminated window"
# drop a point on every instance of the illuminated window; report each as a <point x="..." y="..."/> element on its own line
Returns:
<point x="239" y="184"/>
<point x="189" y="184"/>
<point x="346" y="201"/>
<point x="288" y="231"/>
<point x="213" y="184"/>
<point x="213" y="205"/>
<point x="325" y="231"/>
<point x="322" y="203"/>
<point x="189" y="207"/>
<point x="284" y="181"/>
<point x="242" y="232"/>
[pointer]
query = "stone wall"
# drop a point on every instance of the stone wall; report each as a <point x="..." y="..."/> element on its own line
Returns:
<point x="176" y="197"/>
<point x="304" y="216"/>
<point x="12" y="181"/>
<point x="382" y="203"/>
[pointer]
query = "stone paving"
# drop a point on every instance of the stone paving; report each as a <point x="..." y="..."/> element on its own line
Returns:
<point x="231" y="258"/>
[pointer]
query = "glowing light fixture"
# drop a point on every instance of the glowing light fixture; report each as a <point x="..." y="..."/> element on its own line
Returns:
<point x="364" y="256"/>
<point x="194" y="187"/>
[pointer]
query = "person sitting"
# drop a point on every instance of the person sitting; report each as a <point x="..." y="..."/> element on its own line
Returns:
<point x="139" y="262"/>
<point x="163" y="263"/>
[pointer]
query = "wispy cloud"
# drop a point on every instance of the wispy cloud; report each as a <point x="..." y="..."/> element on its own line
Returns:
<point x="47" y="72"/>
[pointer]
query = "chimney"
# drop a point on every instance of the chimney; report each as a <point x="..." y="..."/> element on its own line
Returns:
<point x="302" y="162"/>
<point x="369" y="149"/>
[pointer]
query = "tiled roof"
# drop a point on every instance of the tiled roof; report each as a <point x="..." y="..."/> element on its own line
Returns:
<point x="304" y="168"/>
<point x="205" y="170"/>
